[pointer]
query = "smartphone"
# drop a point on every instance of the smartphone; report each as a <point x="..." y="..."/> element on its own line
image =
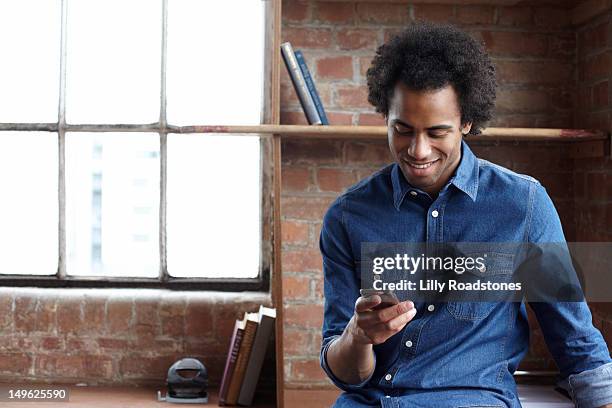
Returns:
<point x="388" y="297"/>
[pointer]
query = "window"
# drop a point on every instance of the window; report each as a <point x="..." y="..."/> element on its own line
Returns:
<point x="103" y="183"/>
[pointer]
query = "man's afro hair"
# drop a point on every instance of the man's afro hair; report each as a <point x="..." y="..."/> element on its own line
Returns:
<point x="428" y="56"/>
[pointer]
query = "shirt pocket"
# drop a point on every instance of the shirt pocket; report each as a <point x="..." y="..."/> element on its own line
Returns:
<point x="498" y="269"/>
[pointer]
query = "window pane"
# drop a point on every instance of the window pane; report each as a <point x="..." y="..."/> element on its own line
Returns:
<point x="211" y="81"/>
<point x="112" y="204"/>
<point x="29" y="204"/>
<point x="29" y="72"/>
<point x="213" y="211"/>
<point x="113" y="61"/>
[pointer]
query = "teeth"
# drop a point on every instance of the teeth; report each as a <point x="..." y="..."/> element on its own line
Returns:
<point x="421" y="166"/>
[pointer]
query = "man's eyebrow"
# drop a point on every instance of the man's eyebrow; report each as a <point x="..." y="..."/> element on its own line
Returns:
<point x="435" y="127"/>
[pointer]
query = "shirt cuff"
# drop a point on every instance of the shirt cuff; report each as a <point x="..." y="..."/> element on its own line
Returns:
<point x="592" y="388"/>
<point x="339" y="383"/>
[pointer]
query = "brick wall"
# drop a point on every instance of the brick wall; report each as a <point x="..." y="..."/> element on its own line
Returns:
<point x="116" y="336"/>
<point x="534" y="50"/>
<point x="593" y="177"/>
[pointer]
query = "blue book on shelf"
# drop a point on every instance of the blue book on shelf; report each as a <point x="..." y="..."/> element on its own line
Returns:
<point x="311" y="87"/>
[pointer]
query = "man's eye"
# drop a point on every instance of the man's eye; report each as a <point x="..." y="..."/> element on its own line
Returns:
<point x="438" y="133"/>
<point x="402" y="130"/>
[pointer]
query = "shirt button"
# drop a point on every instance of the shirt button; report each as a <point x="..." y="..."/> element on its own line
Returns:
<point x="431" y="308"/>
<point x="413" y="193"/>
<point x="483" y="269"/>
<point x="388" y="377"/>
<point x="408" y="343"/>
<point x="387" y="396"/>
<point x="434" y="213"/>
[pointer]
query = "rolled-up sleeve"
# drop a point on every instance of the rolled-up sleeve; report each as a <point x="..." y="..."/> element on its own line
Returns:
<point x="341" y="284"/>
<point x="578" y="347"/>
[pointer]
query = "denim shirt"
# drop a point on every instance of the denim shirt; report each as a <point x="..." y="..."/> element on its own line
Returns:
<point x="455" y="354"/>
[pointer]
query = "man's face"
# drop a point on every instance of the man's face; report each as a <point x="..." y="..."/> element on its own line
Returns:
<point x="425" y="131"/>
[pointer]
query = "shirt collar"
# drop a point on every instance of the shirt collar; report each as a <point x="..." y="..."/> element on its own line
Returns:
<point x="465" y="177"/>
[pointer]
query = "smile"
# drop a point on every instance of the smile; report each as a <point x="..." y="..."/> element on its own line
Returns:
<point x="420" y="166"/>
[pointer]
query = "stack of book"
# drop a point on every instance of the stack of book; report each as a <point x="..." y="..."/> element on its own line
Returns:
<point x="304" y="85"/>
<point x="245" y="357"/>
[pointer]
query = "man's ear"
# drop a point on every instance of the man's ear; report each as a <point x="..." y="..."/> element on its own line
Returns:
<point x="466" y="127"/>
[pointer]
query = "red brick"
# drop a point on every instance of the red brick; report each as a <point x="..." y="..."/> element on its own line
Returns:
<point x="328" y="12"/>
<point x="368" y="153"/>
<point x="390" y="33"/>
<point x="145" y="367"/>
<point x="596" y="184"/>
<point x="94" y="314"/>
<point x="51" y="343"/>
<point x="293" y="118"/>
<point x="600" y="94"/>
<point x="318" y="152"/>
<point x="295" y="10"/>
<point x="307" y="37"/>
<point x="319" y="293"/>
<point x="225" y="318"/>
<point x="515" y="43"/>
<point x="119" y="314"/>
<point x="112" y="343"/>
<point x="46" y="310"/>
<point x="597" y="66"/>
<point x="296" y="179"/>
<point x="294" y="232"/>
<point x="352" y="97"/>
<point x="339" y="118"/>
<point x="562" y="45"/>
<point x="307" y="370"/>
<point x="524" y="72"/>
<point x="70" y="315"/>
<point x="198" y="318"/>
<point x="301" y="260"/>
<point x="383" y="13"/>
<point x="371" y="119"/>
<point x="593" y="38"/>
<point x="305" y="208"/>
<point x="336" y="180"/>
<point x="515" y="16"/>
<point x="475" y="14"/>
<point x="304" y="316"/>
<point x="355" y="39"/>
<point x="551" y="17"/>
<point x="364" y="64"/>
<point x="335" y="68"/>
<point x="521" y="101"/>
<point x="295" y="341"/>
<point x="434" y="12"/>
<point x="15" y="364"/>
<point x="25" y="313"/>
<point x="172" y="317"/>
<point x="6" y="312"/>
<point x="296" y="287"/>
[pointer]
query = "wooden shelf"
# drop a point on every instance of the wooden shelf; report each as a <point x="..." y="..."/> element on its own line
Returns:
<point x="380" y="132"/>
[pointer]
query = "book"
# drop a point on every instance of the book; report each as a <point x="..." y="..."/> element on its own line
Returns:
<point x="230" y="362"/>
<point x="266" y="317"/>
<point x="299" y="84"/>
<point x="250" y="322"/>
<point x="311" y="87"/>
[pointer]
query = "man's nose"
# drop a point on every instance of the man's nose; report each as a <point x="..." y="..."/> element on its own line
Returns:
<point x="419" y="148"/>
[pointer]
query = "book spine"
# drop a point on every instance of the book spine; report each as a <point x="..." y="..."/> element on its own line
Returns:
<point x="311" y="87"/>
<point x="241" y="362"/>
<point x="230" y="363"/>
<point x="258" y="353"/>
<point x="295" y="73"/>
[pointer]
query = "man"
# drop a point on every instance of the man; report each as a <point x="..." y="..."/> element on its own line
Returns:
<point x="435" y="85"/>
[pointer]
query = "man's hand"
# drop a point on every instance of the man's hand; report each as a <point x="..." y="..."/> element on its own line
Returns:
<point x="369" y="326"/>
